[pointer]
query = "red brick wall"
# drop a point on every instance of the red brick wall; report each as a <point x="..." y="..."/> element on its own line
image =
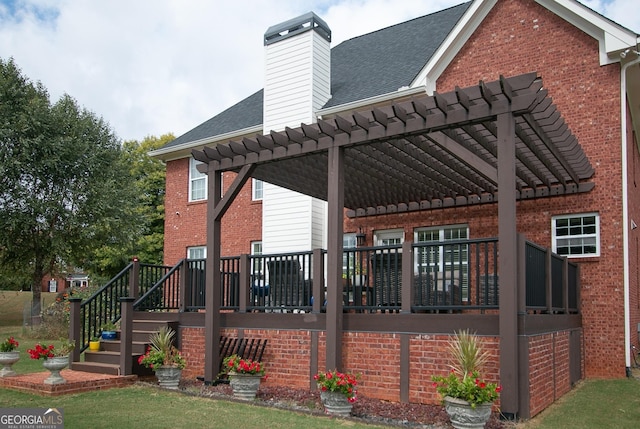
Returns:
<point x="375" y="356"/>
<point x="633" y="175"/>
<point x="185" y="222"/>
<point x="509" y="43"/>
<point x="548" y="369"/>
<point x="587" y="95"/>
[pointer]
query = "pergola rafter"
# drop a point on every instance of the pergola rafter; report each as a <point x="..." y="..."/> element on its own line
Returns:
<point x="430" y="151"/>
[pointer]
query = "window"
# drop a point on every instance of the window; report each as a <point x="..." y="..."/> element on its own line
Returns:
<point x="348" y="254"/>
<point x="389" y="237"/>
<point x="197" y="182"/>
<point x="444" y="258"/>
<point x="256" y="189"/>
<point x="197" y="252"/>
<point x="256" y="250"/>
<point x="576" y="235"/>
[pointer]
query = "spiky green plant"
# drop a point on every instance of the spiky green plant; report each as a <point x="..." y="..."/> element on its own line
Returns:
<point x="162" y="351"/>
<point x="466" y="356"/>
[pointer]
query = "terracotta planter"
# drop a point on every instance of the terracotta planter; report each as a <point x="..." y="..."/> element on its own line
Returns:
<point x="245" y="386"/>
<point x="55" y="365"/>
<point x="7" y="359"/>
<point x="463" y="416"/>
<point x="168" y="376"/>
<point x="336" y="403"/>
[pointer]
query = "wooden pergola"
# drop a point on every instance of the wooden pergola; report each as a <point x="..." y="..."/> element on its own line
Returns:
<point x="503" y="138"/>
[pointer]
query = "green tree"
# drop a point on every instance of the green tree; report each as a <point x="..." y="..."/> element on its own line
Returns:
<point x="148" y="176"/>
<point x="64" y="183"/>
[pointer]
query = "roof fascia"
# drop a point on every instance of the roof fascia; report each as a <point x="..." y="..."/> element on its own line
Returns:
<point x="401" y="92"/>
<point x="184" y="150"/>
<point x="452" y="44"/>
<point x="612" y="38"/>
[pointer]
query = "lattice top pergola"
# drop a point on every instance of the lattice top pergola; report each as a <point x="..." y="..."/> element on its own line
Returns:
<point x="427" y="152"/>
<point x="452" y="149"/>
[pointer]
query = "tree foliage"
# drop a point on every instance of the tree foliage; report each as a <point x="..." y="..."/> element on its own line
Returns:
<point x="65" y="187"/>
<point x="148" y="180"/>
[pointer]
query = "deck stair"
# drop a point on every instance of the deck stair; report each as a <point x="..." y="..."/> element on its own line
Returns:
<point x="107" y="360"/>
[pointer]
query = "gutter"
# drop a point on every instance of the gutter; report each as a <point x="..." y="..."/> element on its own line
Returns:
<point x="625" y="208"/>
<point x="205" y="141"/>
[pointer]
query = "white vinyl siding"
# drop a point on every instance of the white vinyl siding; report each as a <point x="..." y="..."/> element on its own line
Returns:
<point x="297" y="80"/>
<point x="576" y="235"/>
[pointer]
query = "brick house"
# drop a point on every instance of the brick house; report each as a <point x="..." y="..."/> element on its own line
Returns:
<point x="589" y="68"/>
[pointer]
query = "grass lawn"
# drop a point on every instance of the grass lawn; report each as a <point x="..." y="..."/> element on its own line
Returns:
<point x="600" y="404"/>
<point x="149" y="408"/>
<point x="12" y="305"/>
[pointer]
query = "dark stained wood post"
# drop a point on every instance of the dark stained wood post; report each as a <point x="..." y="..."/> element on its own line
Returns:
<point x="183" y="275"/>
<point x="126" y="335"/>
<point x="244" y="283"/>
<point x="317" y="290"/>
<point x="74" y="327"/>
<point x="407" y="277"/>
<point x="507" y="264"/>
<point x="213" y="278"/>
<point x="134" y="278"/>
<point x="335" y="182"/>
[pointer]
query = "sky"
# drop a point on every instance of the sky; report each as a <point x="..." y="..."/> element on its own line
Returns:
<point x="150" y="67"/>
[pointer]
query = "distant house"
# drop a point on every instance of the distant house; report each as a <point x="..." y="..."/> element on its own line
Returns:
<point x="342" y="107"/>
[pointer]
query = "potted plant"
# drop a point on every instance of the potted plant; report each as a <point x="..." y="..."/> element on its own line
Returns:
<point x="8" y="356"/>
<point x="164" y="358"/>
<point x="108" y="330"/>
<point x="338" y="391"/>
<point x="467" y="397"/>
<point x="244" y="376"/>
<point x="94" y="344"/>
<point x="54" y="359"/>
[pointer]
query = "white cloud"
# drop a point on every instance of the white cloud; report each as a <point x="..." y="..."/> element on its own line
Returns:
<point x="156" y="66"/>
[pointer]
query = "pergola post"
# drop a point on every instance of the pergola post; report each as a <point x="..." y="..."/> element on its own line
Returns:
<point x="213" y="278"/>
<point x="335" y="182"/>
<point x="507" y="264"/>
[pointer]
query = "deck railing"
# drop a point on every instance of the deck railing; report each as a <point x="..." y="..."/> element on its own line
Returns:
<point x="443" y="276"/>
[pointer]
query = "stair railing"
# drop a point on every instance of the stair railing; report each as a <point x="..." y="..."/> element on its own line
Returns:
<point x="165" y="293"/>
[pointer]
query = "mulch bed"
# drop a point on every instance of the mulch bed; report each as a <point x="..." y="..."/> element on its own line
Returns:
<point x="364" y="409"/>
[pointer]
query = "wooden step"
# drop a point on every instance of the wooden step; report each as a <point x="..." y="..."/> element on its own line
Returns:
<point x="137" y="347"/>
<point x="96" y="367"/>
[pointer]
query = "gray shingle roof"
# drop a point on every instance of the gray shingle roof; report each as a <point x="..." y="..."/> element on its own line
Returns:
<point x="365" y="66"/>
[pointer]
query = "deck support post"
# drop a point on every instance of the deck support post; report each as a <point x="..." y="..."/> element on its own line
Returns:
<point x="335" y="191"/>
<point x="507" y="265"/>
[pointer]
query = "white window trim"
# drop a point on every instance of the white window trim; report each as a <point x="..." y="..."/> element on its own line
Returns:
<point x="196" y="248"/>
<point x="192" y="166"/>
<point x="386" y="234"/>
<point x="554" y="238"/>
<point x="254" y="187"/>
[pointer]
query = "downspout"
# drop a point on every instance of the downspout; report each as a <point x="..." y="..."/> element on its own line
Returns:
<point x="625" y="208"/>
